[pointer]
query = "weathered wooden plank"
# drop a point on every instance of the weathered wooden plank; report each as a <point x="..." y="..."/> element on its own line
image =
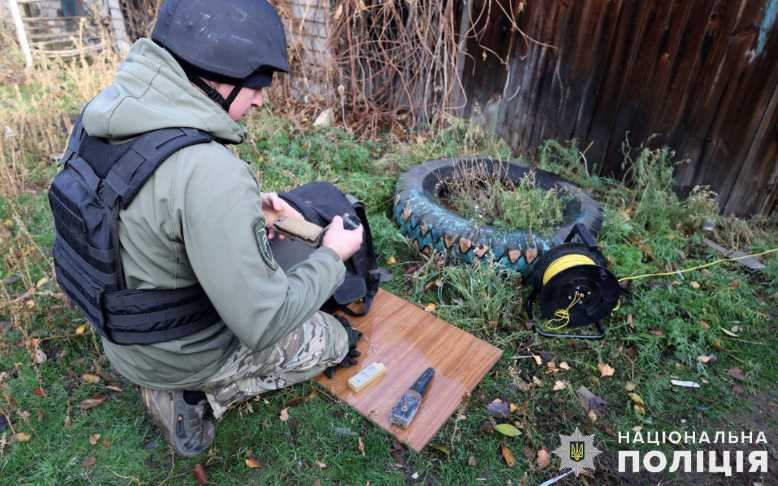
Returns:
<point x="754" y="187"/>
<point x="710" y="108"/>
<point x="752" y="263"/>
<point x="610" y="98"/>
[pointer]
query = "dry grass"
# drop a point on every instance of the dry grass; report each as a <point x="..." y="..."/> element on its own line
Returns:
<point x="36" y="117"/>
<point x="488" y="196"/>
<point x="37" y="114"/>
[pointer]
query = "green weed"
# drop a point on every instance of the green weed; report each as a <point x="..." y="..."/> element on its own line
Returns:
<point x="488" y="197"/>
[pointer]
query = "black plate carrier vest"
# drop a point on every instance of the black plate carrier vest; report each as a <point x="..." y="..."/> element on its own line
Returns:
<point x="99" y="179"/>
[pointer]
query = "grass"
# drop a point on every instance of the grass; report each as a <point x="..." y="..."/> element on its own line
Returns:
<point x="657" y="334"/>
<point x="488" y="197"/>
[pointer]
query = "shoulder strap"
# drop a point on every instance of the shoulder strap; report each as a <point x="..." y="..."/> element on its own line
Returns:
<point x="376" y="275"/>
<point x="128" y="174"/>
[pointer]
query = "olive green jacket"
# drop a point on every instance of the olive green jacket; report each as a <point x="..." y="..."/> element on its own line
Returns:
<point x="198" y="219"/>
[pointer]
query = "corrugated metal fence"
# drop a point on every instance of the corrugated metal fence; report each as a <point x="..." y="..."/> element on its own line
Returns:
<point x="702" y="75"/>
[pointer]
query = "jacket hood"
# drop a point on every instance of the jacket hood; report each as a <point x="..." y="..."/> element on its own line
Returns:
<point x="151" y="91"/>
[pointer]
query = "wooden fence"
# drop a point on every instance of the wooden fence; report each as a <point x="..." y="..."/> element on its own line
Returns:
<point x="698" y="75"/>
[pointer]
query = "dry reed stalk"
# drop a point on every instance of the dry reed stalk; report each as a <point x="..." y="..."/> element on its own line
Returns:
<point x="399" y="60"/>
<point x="36" y="116"/>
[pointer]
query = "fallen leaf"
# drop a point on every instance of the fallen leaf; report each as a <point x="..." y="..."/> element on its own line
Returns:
<point x="361" y="445"/>
<point x="706" y="358"/>
<point x="693" y="284"/>
<point x="81" y="329"/>
<point x="441" y="448"/>
<point x="199" y="474"/>
<point x="629" y="386"/>
<point x="40" y="357"/>
<point x="42" y="282"/>
<point x="94" y="438"/>
<point x="114" y="388"/>
<point x="564" y="366"/>
<point x="90" y="378"/>
<point x="591" y="402"/>
<point x="513" y="407"/>
<point x="630" y="321"/>
<point x="430" y="307"/>
<point x="704" y="325"/>
<point x="508" y="430"/>
<point x="737" y="374"/>
<point x="544" y="458"/>
<point x="734" y="284"/>
<point x="252" y="463"/>
<point x="592" y="415"/>
<point x="301" y="399"/>
<point x="559" y="385"/>
<point x="605" y="369"/>
<point x="321" y="464"/>
<point x="284" y="415"/>
<point x="639" y="409"/>
<point x="538" y="359"/>
<point x="391" y="260"/>
<point x="106" y="444"/>
<point x="499" y="408"/>
<point x="637" y="399"/>
<point x="716" y="343"/>
<point x="471" y="461"/>
<point x="91" y="403"/>
<point x="39" y="392"/>
<point x="739" y="390"/>
<point x="21" y="437"/>
<point x="507" y="455"/>
<point x="657" y="332"/>
<point x="487" y="426"/>
<point x="89" y="461"/>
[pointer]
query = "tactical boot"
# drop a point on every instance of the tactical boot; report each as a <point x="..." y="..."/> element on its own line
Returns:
<point x="184" y="426"/>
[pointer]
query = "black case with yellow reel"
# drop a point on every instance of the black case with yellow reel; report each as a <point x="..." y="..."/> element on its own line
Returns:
<point x="574" y="287"/>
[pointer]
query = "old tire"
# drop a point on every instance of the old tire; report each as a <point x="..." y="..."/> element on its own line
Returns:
<point x="431" y="227"/>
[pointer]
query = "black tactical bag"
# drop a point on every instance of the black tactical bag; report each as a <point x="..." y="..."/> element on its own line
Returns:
<point x="319" y="202"/>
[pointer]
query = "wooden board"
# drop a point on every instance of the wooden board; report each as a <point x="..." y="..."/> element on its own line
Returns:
<point x="752" y="263"/>
<point x="407" y="340"/>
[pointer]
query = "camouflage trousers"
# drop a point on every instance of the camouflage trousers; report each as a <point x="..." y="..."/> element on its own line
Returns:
<point x="317" y="344"/>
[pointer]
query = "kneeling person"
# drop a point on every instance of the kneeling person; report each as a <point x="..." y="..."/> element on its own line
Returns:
<point x="200" y="315"/>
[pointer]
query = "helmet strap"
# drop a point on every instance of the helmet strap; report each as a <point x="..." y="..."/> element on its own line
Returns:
<point x="214" y="95"/>
<point x="233" y="94"/>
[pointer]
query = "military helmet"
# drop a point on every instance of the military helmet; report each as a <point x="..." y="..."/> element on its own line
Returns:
<point x="240" y="42"/>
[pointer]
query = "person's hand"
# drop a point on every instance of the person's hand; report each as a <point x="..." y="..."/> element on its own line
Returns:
<point x="342" y="241"/>
<point x="274" y="208"/>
